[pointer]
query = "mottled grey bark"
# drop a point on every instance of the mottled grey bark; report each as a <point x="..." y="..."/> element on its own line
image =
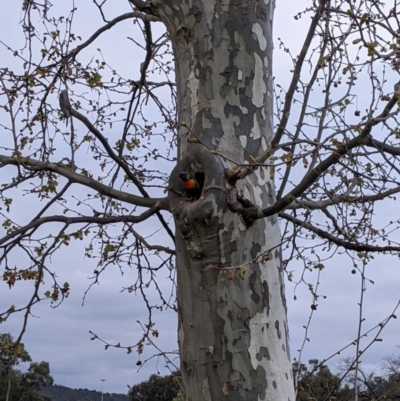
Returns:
<point x="233" y="334"/>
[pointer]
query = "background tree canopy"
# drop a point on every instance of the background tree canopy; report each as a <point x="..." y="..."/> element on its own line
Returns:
<point x="15" y="385"/>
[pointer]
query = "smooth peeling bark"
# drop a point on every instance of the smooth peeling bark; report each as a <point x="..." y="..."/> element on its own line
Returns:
<point x="233" y="334"/>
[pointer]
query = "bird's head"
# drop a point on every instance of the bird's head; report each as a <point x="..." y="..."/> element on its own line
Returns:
<point x="184" y="176"/>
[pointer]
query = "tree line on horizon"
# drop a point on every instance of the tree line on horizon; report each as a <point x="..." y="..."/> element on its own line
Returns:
<point x="36" y="384"/>
<point x="63" y="393"/>
<point x="316" y="382"/>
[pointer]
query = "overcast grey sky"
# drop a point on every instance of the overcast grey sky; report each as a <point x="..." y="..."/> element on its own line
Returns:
<point x="61" y="336"/>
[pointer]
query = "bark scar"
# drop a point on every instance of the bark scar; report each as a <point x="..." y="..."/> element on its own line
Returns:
<point x="237" y="203"/>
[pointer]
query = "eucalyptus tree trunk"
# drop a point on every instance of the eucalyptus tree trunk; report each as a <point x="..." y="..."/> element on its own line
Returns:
<point x="233" y="334"/>
<point x="8" y="387"/>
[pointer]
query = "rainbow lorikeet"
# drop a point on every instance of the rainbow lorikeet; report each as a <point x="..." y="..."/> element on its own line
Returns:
<point x="191" y="185"/>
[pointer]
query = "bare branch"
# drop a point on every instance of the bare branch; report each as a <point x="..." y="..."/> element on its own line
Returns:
<point x="293" y="84"/>
<point x="109" y="25"/>
<point x="32" y="164"/>
<point x="79" y="220"/>
<point x="119" y="161"/>
<point x="313" y="175"/>
<point x="355" y="246"/>
<point x="158" y="248"/>
<point x="345" y="198"/>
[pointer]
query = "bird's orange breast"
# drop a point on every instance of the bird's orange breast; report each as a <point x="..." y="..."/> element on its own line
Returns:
<point x="190" y="184"/>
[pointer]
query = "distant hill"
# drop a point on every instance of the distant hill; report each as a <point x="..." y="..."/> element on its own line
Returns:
<point x="62" y="393"/>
